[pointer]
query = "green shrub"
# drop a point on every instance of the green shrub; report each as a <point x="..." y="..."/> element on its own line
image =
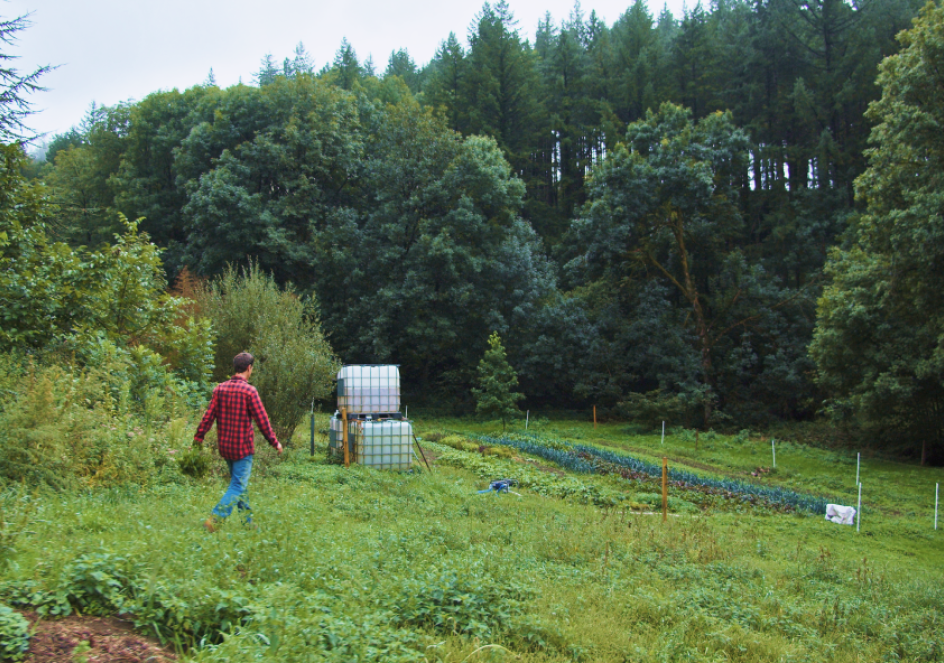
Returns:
<point x="458" y="442"/>
<point x="98" y="583"/>
<point x="314" y="628"/>
<point x="295" y="364"/>
<point x="472" y="602"/>
<point x="107" y="584"/>
<point x="64" y="428"/>
<point x="177" y="615"/>
<point x="14" y="635"/>
<point x="195" y="462"/>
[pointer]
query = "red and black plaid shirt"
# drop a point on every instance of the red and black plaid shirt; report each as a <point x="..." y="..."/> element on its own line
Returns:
<point x="235" y="404"/>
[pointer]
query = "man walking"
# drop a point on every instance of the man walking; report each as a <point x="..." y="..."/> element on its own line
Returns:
<point x="234" y="406"/>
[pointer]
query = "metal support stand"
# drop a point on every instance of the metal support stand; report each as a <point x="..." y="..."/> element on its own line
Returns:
<point x="344" y="436"/>
<point x="422" y="453"/>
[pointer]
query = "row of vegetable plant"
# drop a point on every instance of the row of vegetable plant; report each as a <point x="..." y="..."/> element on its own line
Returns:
<point x="585" y="459"/>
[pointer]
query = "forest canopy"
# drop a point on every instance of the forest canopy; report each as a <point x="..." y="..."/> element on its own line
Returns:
<point x="642" y="211"/>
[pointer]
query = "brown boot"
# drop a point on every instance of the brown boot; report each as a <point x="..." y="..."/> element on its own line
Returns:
<point x="209" y="525"/>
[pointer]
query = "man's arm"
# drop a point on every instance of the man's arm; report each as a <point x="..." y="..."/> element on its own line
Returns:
<point x="207" y="422"/>
<point x="257" y="411"/>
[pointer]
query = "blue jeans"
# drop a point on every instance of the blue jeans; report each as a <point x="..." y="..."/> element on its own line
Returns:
<point x="239" y="481"/>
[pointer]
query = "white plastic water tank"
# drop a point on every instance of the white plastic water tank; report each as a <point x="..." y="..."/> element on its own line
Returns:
<point x="367" y="389"/>
<point x="385" y="445"/>
<point x="336" y="434"/>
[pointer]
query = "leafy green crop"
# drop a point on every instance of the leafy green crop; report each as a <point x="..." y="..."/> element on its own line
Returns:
<point x="14" y="635"/>
<point x="586" y="459"/>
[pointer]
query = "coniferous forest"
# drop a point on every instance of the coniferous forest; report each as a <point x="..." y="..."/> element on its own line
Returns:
<point x="668" y="216"/>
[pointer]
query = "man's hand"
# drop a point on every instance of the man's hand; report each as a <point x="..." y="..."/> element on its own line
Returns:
<point x="278" y="447"/>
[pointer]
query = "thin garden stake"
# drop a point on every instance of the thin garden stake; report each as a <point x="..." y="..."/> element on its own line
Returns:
<point x="594" y="417"/>
<point x="665" y="489"/>
<point x="663" y="432"/>
<point x="527" y="416"/>
<point x="773" y="450"/>
<point x="858" y="461"/>
<point x="937" y="488"/>
<point x="859" y="510"/>
<point x="406" y="412"/>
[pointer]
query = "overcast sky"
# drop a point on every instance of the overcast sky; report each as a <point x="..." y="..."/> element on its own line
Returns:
<point x="113" y="50"/>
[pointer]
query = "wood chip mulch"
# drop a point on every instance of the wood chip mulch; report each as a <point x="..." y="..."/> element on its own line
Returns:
<point x="107" y="640"/>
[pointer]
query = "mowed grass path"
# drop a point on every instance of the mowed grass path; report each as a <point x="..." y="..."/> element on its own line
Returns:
<point x="362" y="565"/>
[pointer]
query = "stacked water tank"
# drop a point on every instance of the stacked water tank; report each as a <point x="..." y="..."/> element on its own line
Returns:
<point x="378" y="434"/>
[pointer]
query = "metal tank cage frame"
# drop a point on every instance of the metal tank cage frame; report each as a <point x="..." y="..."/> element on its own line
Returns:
<point x="375" y="394"/>
<point x="384" y="405"/>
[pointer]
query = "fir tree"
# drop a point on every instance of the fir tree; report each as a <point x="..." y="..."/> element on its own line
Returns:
<point x="445" y="76"/>
<point x="497" y="379"/>
<point x="14" y="87"/>
<point x="346" y="66"/>
<point x="267" y="71"/>
<point x="402" y="65"/>
<point x="302" y="61"/>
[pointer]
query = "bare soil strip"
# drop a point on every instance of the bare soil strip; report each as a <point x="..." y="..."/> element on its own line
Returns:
<point x="106" y="640"/>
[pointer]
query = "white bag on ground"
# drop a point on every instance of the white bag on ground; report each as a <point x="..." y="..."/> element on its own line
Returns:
<point x="844" y="515"/>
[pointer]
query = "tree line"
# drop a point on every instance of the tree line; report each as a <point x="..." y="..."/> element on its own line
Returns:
<point x="643" y="211"/>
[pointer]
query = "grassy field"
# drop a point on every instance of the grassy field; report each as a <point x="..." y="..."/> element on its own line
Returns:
<point x="359" y="565"/>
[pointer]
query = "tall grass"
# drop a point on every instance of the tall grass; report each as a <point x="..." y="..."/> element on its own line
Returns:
<point x="364" y="565"/>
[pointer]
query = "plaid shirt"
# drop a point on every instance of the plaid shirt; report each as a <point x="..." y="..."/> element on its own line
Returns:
<point x="235" y="404"/>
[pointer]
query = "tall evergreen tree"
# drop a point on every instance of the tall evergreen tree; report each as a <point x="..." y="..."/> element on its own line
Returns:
<point x="402" y="65"/>
<point x="445" y="86"/>
<point x="635" y="57"/>
<point x="368" y="69"/>
<point x="302" y="61"/>
<point x="14" y="86"/>
<point x="496" y="380"/>
<point x="267" y="71"/>
<point x="572" y="111"/>
<point x="345" y="66"/>
<point x="502" y="91"/>
<point x="694" y="53"/>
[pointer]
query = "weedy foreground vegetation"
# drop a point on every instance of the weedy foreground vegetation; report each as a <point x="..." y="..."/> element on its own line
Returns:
<point x="360" y="565"/>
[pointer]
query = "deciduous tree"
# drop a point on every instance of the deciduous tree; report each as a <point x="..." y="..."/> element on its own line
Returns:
<point x="878" y="341"/>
